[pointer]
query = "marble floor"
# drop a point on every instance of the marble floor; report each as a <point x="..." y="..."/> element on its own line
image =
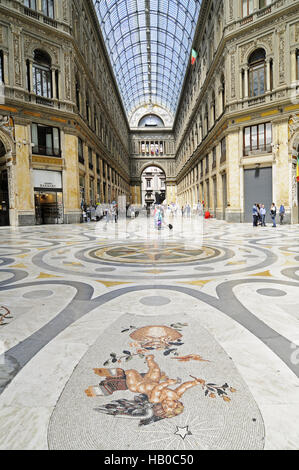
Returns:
<point x="117" y="336"/>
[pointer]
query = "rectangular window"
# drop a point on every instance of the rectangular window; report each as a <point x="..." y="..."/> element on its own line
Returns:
<point x="207" y="163"/>
<point x="1" y="67"/>
<point x="30" y="4"/>
<point x="247" y="7"/>
<point x="48" y="8"/>
<point x="214" y="157"/>
<point x="80" y="151"/>
<point x="98" y="164"/>
<point x="42" y="81"/>
<point x="297" y="64"/>
<point x="90" y="164"/>
<point x="223" y="149"/>
<point x="46" y="140"/>
<point x="257" y="78"/>
<point x="264" y="3"/>
<point x="257" y="139"/>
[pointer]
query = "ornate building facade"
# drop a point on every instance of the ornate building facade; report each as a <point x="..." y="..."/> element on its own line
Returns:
<point x="236" y="128"/>
<point x="67" y="140"/>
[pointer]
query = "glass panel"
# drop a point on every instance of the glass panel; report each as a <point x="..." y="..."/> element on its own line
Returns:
<point x="34" y="137"/>
<point x="49" y="141"/>
<point x="56" y="142"/>
<point x="254" y="137"/>
<point x="262" y="137"/>
<point x="247" y="140"/>
<point x="268" y="133"/>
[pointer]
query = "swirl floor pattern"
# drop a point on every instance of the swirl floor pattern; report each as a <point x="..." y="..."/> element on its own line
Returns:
<point x="186" y="343"/>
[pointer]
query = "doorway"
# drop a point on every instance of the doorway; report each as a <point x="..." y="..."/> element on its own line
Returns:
<point x="48" y="207"/>
<point x="4" y="199"/>
<point x="257" y="189"/>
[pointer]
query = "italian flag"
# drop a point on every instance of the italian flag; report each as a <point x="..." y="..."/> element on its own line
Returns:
<point x="194" y="55"/>
<point x="298" y="169"/>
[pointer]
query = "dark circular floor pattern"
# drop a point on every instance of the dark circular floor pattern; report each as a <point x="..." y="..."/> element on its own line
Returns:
<point x="272" y="292"/>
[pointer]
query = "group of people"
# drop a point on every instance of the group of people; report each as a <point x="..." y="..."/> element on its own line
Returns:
<point x="95" y="213"/>
<point x="259" y="214"/>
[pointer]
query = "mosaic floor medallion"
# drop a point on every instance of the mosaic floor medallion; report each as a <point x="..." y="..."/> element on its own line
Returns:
<point x="155" y="253"/>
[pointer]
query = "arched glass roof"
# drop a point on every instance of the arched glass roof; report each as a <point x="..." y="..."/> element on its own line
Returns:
<point x="149" y="42"/>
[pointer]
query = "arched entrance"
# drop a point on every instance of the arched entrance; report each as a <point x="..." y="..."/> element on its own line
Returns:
<point x="4" y="193"/>
<point x="153" y="186"/>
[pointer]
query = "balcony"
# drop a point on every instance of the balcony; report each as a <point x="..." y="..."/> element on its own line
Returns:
<point x="248" y="152"/>
<point x="44" y="101"/>
<point x="46" y="151"/>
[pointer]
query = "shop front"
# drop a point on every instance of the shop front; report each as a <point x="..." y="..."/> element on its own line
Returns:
<point x="48" y="197"/>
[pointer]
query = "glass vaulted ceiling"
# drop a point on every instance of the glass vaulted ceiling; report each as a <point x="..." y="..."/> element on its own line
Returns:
<point x="149" y="42"/>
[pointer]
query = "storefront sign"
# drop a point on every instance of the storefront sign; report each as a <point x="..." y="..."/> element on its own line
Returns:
<point x="47" y="179"/>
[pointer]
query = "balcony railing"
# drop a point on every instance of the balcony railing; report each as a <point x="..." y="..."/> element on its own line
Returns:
<point x="46" y="151"/>
<point x="250" y="152"/>
<point x="44" y="101"/>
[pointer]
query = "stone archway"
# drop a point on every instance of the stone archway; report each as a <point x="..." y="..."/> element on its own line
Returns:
<point x="294" y="152"/>
<point x="7" y="152"/>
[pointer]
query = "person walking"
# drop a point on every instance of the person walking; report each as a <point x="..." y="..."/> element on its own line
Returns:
<point x="281" y="213"/>
<point x="255" y="215"/>
<point x="273" y="212"/>
<point x="263" y="215"/>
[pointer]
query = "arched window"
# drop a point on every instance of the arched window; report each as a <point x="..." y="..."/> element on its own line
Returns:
<point x="257" y="72"/>
<point x="151" y="120"/>
<point x="42" y="76"/>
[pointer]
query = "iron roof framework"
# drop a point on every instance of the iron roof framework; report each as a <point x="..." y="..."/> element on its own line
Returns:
<point x="149" y="42"/>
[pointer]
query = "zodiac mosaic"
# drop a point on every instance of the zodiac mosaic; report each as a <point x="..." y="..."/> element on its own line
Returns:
<point x="156" y="400"/>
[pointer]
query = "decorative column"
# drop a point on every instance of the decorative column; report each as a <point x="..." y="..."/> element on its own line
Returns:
<point x="293" y="67"/>
<point x="268" y="87"/>
<point x="246" y="90"/>
<point x="54" y="94"/>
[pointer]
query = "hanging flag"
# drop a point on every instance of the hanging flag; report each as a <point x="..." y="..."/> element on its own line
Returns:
<point x="194" y="55"/>
<point x="298" y="169"/>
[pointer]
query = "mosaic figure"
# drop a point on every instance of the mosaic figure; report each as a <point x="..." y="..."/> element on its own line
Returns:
<point x="157" y="399"/>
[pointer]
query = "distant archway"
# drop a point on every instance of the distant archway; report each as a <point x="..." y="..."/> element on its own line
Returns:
<point x="153" y="186"/>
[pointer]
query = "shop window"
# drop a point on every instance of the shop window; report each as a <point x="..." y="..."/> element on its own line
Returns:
<point x="257" y="72"/>
<point x="30" y="4"/>
<point x="247" y="7"/>
<point x="48" y="8"/>
<point x="42" y="75"/>
<point x="257" y="139"/>
<point x="46" y="140"/>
